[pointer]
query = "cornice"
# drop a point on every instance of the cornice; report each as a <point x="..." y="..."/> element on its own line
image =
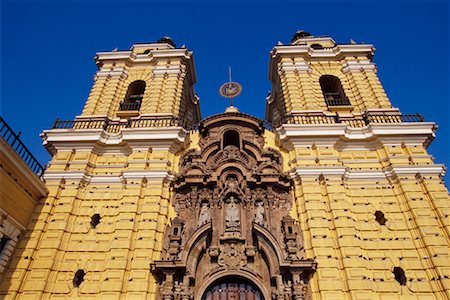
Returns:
<point x="347" y="173"/>
<point x="122" y="178"/>
<point x="23" y="172"/>
<point x="157" y="138"/>
<point x="343" y="136"/>
<point x="338" y="52"/>
<point x="132" y="58"/>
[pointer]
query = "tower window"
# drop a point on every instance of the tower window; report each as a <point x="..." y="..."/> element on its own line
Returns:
<point x="78" y="278"/>
<point x="95" y="220"/>
<point x="231" y="137"/>
<point x="379" y="216"/>
<point x="332" y="90"/>
<point x="399" y="275"/>
<point x="134" y="96"/>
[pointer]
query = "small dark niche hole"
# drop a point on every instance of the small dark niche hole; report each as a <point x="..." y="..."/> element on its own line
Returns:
<point x="95" y="220"/>
<point x="379" y="217"/>
<point x="289" y="229"/>
<point x="78" y="278"/>
<point x="317" y="46"/>
<point x="3" y="241"/>
<point x="399" y="275"/>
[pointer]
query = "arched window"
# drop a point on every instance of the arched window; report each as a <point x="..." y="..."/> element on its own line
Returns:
<point x="332" y="90"/>
<point x="231" y="137"/>
<point x="134" y="96"/>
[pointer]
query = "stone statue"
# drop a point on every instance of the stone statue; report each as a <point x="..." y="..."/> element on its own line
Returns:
<point x="232" y="215"/>
<point x="204" y="214"/>
<point x="259" y="212"/>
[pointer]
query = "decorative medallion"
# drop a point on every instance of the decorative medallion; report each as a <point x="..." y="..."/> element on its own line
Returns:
<point x="230" y="89"/>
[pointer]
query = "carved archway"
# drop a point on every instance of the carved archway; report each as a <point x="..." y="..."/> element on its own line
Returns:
<point x="233" y="204"/>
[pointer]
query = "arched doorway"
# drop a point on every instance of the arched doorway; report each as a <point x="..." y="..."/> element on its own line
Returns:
<point x="232" y="288"/>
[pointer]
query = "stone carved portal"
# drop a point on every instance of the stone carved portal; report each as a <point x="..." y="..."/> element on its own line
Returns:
<point x="233" y="227"/>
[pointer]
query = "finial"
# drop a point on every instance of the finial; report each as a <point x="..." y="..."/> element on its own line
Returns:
<point x="299" y="34"/>
<point x="229" y="90"/>
<point x="167" y="40"/>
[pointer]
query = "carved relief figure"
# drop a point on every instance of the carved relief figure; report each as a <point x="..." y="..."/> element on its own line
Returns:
<point x="232" y="220"/>
<point x="204" y="214"/>
<point x="259" y="212"/>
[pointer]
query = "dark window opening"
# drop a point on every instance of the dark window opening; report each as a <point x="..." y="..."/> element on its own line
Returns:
<point x="317" y="46"/>
<point x="379" y="216"/>
<point x="290" y="230"/>
<point x="3" y="241"/>
<point x="134" y="96"/>
<point x="232" y="288"/>
<point x="78" y="278"/>
<point x="332" y="90"/>
<point x="175" y="231"/>
<point x="399" y="275"/>
<point x="95" y="220"/>
<point x="231" y="137"/>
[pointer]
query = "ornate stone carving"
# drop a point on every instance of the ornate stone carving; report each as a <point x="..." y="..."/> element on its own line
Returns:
<point x="240" y="199"/>
<point x="232" y="218"/>
<point x="204" y="214"/>
<point x="259" y="212"/>
<point x="232" y="255"/>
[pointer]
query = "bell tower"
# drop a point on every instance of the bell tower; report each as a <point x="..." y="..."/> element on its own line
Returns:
<point x="370" y="200"/>
<point x="109" y="180"/>
<point x="315" y="75"/>
<point x="151" y="79"/>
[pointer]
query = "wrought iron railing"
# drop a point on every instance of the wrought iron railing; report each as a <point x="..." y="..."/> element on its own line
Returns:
<point x="13" y="139"/>
<point x="115" y="126"/>
<point x="336" y="99"/>
<point x="125" y="106"/>
<point x="352" y="122"/>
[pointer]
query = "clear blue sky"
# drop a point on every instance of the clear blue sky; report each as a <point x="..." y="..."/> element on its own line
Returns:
<point x="47" y="51"/>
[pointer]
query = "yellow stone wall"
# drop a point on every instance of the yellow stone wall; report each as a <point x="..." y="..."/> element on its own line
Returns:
<point x="355" y="254"/>
<point x="20" y="191"/>
<point x="117" y="253"/>
<point x="20" y="188"/>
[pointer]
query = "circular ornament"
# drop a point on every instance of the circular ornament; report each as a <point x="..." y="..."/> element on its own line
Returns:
<point x="230" y="89"/>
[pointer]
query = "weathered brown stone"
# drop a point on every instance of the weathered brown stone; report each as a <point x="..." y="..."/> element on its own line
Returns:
<point x="232" y="200"/>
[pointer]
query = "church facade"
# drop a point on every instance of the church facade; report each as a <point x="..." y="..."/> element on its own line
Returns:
<point x="332" y="196"/>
